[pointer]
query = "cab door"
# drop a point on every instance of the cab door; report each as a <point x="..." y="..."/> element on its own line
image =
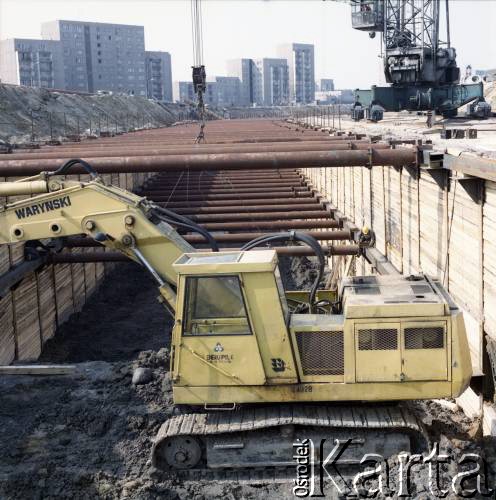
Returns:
<point x="217" y="344"/>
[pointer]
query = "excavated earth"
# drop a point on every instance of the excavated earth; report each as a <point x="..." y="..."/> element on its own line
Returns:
<point x="89" y="434"/>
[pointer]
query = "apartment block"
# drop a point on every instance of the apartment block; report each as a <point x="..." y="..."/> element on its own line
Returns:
<point x="184" y="92"/>
<point x="101" y="56"/>
<point x="300" y="57"/>
<point x="35" y="63"/>
<point x="326" y="84"/>
<point x="271" y="82"/>
<point x="228" y="91"/>
<point x="158" y="75"/>
<point x="244" y="70"/>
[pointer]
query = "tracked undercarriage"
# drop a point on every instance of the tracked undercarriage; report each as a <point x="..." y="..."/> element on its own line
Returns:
<point x="264" y="437"/>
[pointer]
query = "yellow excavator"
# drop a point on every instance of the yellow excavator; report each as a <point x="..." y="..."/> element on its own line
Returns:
<point x="255" y="367"/>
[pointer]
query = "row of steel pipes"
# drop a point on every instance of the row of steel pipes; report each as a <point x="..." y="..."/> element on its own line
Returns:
<point x="243" y="183"/>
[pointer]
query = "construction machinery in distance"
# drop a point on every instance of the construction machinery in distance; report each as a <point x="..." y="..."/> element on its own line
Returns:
<point x="254" y="366"/>
<point x="418" y="64"/>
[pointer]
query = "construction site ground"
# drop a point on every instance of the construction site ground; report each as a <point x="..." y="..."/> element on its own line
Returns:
<point x="89" y="434"/>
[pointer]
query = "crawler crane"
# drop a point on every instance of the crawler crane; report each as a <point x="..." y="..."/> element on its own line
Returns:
<point x="253" y="366"/>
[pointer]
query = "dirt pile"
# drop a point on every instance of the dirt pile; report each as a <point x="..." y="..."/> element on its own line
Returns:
<point x="32" y="113"/>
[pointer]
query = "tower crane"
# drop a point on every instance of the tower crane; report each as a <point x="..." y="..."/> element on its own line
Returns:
<point x="419" y="64"/>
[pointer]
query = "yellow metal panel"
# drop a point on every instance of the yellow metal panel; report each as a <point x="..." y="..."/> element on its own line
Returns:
<point x="226" y="262"/>
<point x="266" y="315"/>
<point x="378" y="365"/>
<point x="425" y="364"/>
<point x="220" y="360"/>
<point x="371" y="391"/>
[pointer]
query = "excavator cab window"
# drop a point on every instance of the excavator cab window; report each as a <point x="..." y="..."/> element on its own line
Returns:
<point x="215" y="306"/>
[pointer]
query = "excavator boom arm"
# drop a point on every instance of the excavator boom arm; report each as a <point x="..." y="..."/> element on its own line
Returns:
<point x="114" y="217"/>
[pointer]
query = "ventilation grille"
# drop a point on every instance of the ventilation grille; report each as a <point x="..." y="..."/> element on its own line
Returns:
<point x="384" y="339"/>
<point x="424" y="338"/>
<point x="321" y="353"/>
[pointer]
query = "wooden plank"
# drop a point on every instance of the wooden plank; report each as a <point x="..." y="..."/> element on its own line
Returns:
<point x="63" y="286"/>
<point x="489" y="232"/>
<point x="37" y="369"/>
<point x="470" y="403"/>
<point x="4" y="259"/>
<point x="377" y="208"/>
<point x="78" y="286"/>
<point x="7" y="338"/>
<point x="433" y="227"/>
<point x="27" y="322"/>
<point x="47" y="302"/>
<point x="393" y="221"/>
<point x="465" y="252"/>
<point x="410" y="223"/>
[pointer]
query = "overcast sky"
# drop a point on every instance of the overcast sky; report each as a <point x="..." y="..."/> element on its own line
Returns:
<point x="254" y="28"/>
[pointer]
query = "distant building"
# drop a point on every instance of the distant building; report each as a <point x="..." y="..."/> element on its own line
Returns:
<point x="211" y="94"/>
<point x="183" y="92"/>
<point x="224" y="91"/>
<point x="228" y="91"/>
<point x="345" y="96"/>
<point x="326" y="84"/>
<point x="271" y="82"/>
<point x="101" y="56"/>
<point x="158" y="75"/>
<point x="300" y="57"/>
<point x="35" y="63"/>
<point x="244" y="70"/>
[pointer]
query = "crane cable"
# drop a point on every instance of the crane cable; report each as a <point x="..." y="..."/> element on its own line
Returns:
<point x="199" y="75"/>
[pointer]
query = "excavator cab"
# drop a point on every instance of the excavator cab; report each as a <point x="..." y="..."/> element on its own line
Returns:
<point x="239" y="337"/>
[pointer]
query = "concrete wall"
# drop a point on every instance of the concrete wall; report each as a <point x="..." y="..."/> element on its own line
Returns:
<point x="427" y="222"/>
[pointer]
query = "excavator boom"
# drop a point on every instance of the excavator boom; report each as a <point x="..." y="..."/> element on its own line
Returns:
<point x="114" y="217"/>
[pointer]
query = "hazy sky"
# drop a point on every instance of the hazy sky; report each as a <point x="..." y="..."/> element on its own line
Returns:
<point x="254" y="28"/>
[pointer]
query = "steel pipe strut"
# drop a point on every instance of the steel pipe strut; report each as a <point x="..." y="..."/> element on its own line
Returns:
<point x="101" y="256"/>
<point x="196" y="239"/>
<point x="235" y="161"/>
<point x="59" y="155"/>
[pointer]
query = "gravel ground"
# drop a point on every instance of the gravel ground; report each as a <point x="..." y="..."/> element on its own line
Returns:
<point x="88" y="435"/>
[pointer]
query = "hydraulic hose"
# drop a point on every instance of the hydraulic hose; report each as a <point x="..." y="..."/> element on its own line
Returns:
<point x="64" y="169"/>
<point x="179" y="220"/>
<point x="295" y="236"/>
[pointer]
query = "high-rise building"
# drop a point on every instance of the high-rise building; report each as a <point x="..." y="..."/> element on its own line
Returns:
<point x="271" y="82"/>
<point x="100" y="56"/>
<point x="326" y="84"/>
<point x="228" y="91"/>
<point x="35" y="63"/>
<point x="244" y="70"/>
<point x="184" y="92"/>
<point x="158" y="75"/>
<point x="300" y="57"/>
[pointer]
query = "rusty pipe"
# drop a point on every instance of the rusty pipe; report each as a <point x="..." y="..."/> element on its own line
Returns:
<point x="90" y="154"/>
<point x="195" y="239"/>
<point x="101" y="256"/>
<point x="235" y="161"/>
